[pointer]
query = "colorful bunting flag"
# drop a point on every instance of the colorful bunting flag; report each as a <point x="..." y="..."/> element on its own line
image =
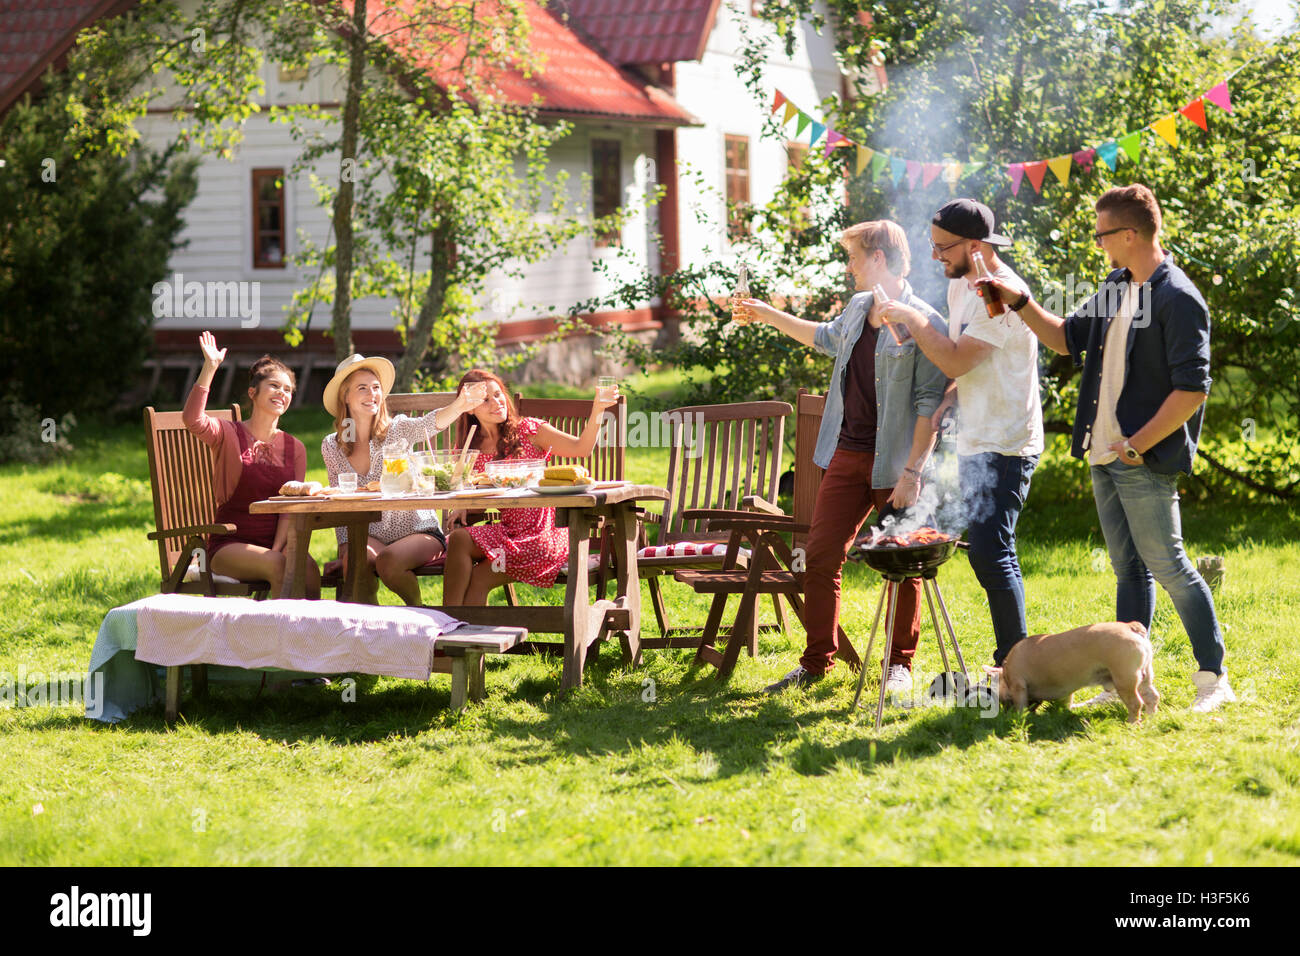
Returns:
<point x="896" y="169"/>
<point x="1131" y="143"/>
<point x="817" y="130"/>
<point x="776" y="104"/>
<point x="878" y="164"/>
<point x="1195" y="111"/>
<point x="929" y="171"/>
<point x="804" y="120"/>
<point x="833" y="139"/>
<point x="913" y="173"/>
<point x="791" y="111"/>
<point x="1017" y="172"/>
<point x="972" y="168"/>
<point x="1060" y="165"/>
<point x="1218" y="95"/>
<point x="1084" y="158"/>
<point x="1036" y="171"/>
<point x="1109" y="153"/>
<point x="864" y="156"/>
<point x="1167" y="127"/>
<point x="952" y="173"/>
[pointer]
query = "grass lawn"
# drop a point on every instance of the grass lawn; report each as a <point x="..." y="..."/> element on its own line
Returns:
<point x="657" y="765"/>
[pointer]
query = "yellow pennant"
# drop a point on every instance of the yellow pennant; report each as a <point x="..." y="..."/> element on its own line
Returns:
<point x="791" y="111"/>
<point x="952" y="173"/>
<point x="1061" y="167"/>
<point x="1168" y="129"/>
<point x="864" y="156"/>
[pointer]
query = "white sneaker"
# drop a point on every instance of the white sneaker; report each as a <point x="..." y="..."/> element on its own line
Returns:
<point x="1212" y="690"/>
<point x="899" y="681"/>
<point x="1105" y="697"/>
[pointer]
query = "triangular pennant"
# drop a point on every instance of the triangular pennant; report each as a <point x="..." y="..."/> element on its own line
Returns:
<point x="1167" y="127"/>
<point x="791" y="111"/>
<point x="929" y="172"/>
<point x="878" y="164"/>
<point x="972" y="168"/>
<point x="1017" y="172"/>
<point x="1218" y="95"/>
<point x="1060" y="166"/>
<point x="1109" y="153"/>
<point x="1131" y="143"/>
<point x="1036" y="171"/>
<point x="777" y="101"/>
<point x="804" y="120"/>
<point x="833" y="139"/>
<point x="914" y="171"/>
<point x="896" y="169"/>
<point x="817" y="130"/>
<point x="952" y="173"/>
<point x="864" y="156"/>
<point x="1084" y="158"/>
<point x="1195" y="111"/>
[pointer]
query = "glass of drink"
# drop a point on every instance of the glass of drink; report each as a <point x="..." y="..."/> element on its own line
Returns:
<point x="348" y="482"/>
<point x="606" y="388"/>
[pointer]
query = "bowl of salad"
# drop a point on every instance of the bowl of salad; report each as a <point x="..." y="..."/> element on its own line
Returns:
<point x="437" y="471"/>
<point x="515" y="472"/>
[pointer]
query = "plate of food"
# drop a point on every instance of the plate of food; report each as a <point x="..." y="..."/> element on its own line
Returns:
<point x="301" y="489"/>
<point x="564" y="480"/>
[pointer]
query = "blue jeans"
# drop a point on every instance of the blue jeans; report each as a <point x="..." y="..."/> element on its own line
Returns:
<point x="1144" y="535"/>
<point x="993" y="489"/>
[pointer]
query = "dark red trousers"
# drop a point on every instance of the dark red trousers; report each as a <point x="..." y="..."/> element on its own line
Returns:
<point x="843" y="503"/>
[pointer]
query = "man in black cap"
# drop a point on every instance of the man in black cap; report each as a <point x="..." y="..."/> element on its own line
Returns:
<point x="993" y="362"/>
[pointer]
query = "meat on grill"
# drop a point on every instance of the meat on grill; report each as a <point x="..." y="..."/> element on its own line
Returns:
<point x="911" y="539"/>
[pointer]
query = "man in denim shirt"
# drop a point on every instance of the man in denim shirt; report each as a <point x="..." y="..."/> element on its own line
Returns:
<point x="875" y="438"/>
<point x="1144" y="343"/>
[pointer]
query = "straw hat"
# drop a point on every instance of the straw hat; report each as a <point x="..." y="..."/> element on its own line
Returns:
<point x="380" y="366"/>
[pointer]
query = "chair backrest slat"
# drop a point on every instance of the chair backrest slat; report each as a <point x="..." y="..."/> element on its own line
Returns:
<point x="416" y="404"/>
<point x="607" y="461"/>
<point x="807" y="476"/>
<point x="180" y="475"/>
<point x="727" y="467"/>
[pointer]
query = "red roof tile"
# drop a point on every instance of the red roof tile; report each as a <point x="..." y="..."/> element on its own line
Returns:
<point x="643" y="31"/>
<point x="32" y="39"/>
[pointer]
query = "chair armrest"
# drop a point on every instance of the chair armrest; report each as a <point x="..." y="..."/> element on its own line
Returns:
<point x="191" y="530"/>
<point x="752" y="523"/>
<point x="719" y="514"/>
<point x="755" y="503"/>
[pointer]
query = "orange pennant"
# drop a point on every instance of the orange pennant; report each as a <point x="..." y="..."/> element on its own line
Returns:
<point x="780" y="98"/>
<point x="1195" y="111"/>
<point x="1036" y="172"/>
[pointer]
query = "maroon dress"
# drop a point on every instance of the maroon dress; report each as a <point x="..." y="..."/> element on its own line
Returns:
<point x="264" y="471"/>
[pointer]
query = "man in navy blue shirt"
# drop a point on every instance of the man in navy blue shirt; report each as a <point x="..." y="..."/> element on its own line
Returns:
<point x="1144" y="344"/>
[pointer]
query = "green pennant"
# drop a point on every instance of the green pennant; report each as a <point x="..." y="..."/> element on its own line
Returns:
<point x="804" y="120"/>
<point x="878" y="164"/>
<point x="972" y="168"/>
<point x="1131" y="143"/>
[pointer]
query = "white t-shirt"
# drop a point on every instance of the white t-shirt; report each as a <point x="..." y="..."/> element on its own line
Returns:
<point x="1000" y="407"/>
<point x="1105" y="427"/>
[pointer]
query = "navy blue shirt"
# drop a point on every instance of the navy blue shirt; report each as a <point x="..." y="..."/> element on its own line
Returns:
<point x="1168" y="349"/>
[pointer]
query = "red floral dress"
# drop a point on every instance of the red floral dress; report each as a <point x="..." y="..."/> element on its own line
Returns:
<point x="535" y="550"/>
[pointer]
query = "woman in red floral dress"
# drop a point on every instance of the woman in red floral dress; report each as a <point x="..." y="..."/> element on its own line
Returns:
<point x="534" y="550"/>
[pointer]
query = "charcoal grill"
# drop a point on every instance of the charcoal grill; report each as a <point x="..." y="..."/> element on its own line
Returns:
<point x="896" y="564"/>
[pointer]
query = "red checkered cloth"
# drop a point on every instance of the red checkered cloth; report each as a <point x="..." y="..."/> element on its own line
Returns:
<point x="687" y="549"/>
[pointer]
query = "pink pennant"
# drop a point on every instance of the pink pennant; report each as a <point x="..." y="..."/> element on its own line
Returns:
<point x="833" y="139"/>
<point x="1218" y="95"/>
<point x="1017" y="172"/>
<point x="1084" y="158"/>
<point x="913" y="173"/>
<point x="929" y="172"/>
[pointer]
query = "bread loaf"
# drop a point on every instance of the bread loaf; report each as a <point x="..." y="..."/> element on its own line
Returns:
<point x="299" y="489"/>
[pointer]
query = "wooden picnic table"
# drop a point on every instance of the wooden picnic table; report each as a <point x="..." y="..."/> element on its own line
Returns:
<point x="580" y="620"/>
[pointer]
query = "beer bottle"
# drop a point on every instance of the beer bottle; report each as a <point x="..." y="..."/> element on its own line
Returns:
<point x="738" y="312"/>
<point x="992" y="298"/>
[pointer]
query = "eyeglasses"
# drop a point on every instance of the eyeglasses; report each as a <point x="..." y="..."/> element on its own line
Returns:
<point x="1098" y="236"/>
<point x="934" y="248"/>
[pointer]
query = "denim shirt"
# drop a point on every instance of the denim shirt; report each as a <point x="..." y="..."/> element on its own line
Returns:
<point x="1168" y="349"/>
<point x="908" y="385"/>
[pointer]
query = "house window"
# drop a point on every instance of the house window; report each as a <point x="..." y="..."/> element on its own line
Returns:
<point x="606" y="187"/>
<point x="268" y="218"/>
<point x="292" y="74"/>
<point x="737" y="160"/>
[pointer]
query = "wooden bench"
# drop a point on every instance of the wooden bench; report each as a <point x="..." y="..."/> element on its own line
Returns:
<point x="466" y="647"/>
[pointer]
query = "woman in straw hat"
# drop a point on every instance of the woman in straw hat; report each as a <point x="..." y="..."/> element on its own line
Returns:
<point x="253" y="459"/>
<point x="524" y="545"/>
<point x="356" y="396"/>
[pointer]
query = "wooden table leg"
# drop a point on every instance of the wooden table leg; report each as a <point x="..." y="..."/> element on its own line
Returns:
<point x="173" y="705"/>
<point x="359" y="575"/>
<point x="628" y="586"/>
<point x="475" y="678"/>
<point x="459" y="682"/>
<point x="577" y="602"/>
<point x="294" y="584"/>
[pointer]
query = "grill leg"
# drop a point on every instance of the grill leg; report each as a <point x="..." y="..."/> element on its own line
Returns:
<point x="934" y="619"/>
<point x="862" y="665"/>
<point x="951" y="633"/>
<point x="889" y="644"/>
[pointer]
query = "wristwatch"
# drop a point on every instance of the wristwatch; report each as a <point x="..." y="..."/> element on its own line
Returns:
<point x="1130" y="453"/>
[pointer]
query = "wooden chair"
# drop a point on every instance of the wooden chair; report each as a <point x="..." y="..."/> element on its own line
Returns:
<point x="773" y="567"/>
<point x="184" y="514"/>
<point x="723" y="459"/>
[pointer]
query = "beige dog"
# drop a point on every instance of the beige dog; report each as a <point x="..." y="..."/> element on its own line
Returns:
<point x="1054" y="666"/>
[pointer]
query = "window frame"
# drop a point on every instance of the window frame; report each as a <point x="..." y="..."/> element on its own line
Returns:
<point x="732" y="176"/>
<point x="610" y="238"/>
<point x="259" y="174"/>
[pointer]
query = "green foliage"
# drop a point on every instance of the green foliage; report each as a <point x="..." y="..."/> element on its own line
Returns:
<point x="26" y="437"/>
